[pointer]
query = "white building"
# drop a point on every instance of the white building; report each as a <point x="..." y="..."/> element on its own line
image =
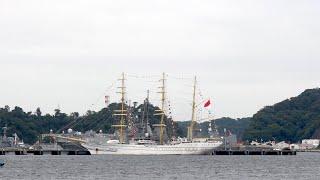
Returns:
<point x="295" y="146"/>
<point x="306" y="146"/>
<point x="281" y="145"/>
<point x="255" y="143"/>
<point x="314" y="142"/>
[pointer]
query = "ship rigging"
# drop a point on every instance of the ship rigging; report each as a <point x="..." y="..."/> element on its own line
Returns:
<point x="144" y="145"/>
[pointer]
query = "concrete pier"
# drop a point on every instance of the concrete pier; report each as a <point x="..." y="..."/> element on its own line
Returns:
<point x="42" y="152"/>
<point x="253" y="152"/>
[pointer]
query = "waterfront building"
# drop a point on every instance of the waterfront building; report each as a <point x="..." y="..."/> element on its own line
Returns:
<point x="314" y="142"/>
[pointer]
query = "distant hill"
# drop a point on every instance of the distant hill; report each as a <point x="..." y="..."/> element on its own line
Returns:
<point x="291" y="120"/>
<point x="235" y="126"/>
<point x="29" y="125"/>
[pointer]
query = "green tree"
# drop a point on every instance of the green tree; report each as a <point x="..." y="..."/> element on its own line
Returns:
<point x="38" y="112"/>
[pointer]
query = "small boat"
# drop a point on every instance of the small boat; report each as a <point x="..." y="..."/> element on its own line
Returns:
<point x="2" y="162"/>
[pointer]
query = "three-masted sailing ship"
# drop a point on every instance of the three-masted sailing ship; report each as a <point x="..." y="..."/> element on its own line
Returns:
<point x="145" y="145"/>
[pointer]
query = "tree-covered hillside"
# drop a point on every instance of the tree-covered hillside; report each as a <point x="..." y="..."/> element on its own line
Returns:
<point x="29" y="125"/>
<point x="235" y="126"/>
<point x="291" y="120"/>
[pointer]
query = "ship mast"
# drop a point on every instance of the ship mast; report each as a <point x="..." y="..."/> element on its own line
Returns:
<point x="121" y="112"/>
<point x="193" y="116"/>
<point x="161" y="112"/>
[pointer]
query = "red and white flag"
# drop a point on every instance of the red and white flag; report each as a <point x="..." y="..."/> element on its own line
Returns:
<point x="208" y="104"/>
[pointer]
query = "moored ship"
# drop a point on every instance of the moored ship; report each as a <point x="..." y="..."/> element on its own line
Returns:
<point x="144" y="145"/>
<point x="150" y="148"/>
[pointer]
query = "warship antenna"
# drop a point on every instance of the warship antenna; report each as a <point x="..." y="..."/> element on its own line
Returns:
<point x="161" y="112"/>
<point x="107" y="100"/>
<point x="145" y="114"/>
<point x="121" y="112"/>
<point x="147" y="118"/>
<point x="193" y="116"/>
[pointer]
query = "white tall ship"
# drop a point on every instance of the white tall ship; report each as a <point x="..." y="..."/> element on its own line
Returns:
<point x="145" y="146"/>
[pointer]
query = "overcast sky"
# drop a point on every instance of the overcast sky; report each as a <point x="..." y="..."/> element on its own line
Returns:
<point x="246" y="54"/>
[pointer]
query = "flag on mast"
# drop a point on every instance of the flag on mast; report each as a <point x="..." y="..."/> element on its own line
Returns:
<point x="208" y="104"/>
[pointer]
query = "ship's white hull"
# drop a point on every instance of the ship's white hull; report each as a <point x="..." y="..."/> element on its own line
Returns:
<point x="134" y="149"/>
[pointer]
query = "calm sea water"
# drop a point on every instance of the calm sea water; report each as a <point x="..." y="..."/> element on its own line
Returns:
<point x="303" y="166"/>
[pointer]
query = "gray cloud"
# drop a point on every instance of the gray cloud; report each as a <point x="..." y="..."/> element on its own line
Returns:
<point x="247" y="54"/>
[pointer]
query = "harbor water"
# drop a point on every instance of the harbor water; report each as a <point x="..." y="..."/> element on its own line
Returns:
<point x="303" y="166"/>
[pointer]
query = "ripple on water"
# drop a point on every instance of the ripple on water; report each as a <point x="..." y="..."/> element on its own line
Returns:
<point x="302" y="166"/>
